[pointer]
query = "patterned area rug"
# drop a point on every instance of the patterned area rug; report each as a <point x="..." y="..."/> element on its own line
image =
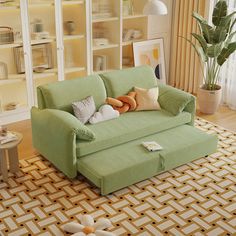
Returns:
<point x="195" y="199"/>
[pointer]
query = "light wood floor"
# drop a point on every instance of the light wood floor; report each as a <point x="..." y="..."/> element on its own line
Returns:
<point x="224" y="117"/>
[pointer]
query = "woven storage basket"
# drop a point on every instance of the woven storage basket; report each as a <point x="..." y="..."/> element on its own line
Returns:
<point x="6" y="35"/>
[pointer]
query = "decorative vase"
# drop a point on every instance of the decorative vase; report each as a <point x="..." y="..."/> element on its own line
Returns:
<point x="70" y="27"/>
<point x="38" y="26"/>
<point x="209" y="100"/>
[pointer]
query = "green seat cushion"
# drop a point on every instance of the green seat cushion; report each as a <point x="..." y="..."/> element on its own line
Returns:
<point x="60" y="95"/>
<point x="121" y="82"/>
<point x="129" y="126"/>
<point x="120" y="166"/>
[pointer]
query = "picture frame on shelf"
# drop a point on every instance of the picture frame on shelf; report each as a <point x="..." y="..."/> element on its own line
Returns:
<point x="41" y="55"/>
<point x="151" y="52"/>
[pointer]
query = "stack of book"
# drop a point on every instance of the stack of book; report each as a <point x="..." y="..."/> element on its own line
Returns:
<point x="9" y="137"/>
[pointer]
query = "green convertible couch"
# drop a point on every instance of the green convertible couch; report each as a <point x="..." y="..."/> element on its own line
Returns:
<point x="110" y="153"/>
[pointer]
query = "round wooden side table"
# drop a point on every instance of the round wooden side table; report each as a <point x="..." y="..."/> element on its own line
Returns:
<point x="12" y="151"/>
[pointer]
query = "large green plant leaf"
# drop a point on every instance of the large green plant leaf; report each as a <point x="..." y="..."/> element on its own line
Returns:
<point x="203" y="56"/>
<point x="225" y="21"/>
<point x="229" y="39"/>
<point x="201" y="53"/>
<point x="220" y="34"/>
<point x="206" y="30"/>
<point x="200" y="40"/>
<point x="232" y="25"/>
<point x="214" y="50"/>
<point x="220" y="11"/>
<point x="225" y="53"/>
<point x="208" y="33"/>
<point x="199" y="18"/>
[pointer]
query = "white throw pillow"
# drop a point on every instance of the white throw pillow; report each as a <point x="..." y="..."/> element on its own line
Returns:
<point x="105" y="112"/>
<point x="84" y="109"/>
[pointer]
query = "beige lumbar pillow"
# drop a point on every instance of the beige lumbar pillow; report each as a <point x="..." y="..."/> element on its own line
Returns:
<point x="147" y="99"/>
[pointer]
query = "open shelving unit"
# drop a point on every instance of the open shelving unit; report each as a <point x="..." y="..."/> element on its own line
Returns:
<point x="135" y="21"/>
<point x="71" y="29"/>
<point x="14" y="87"/>
<point x="19" y="87"/>
<point x="116" y="50"/>
<point x="75" y="43"/>
<point x="105" y="43"/>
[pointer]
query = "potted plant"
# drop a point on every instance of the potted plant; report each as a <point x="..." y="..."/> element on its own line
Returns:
<point x="214" y="46"/>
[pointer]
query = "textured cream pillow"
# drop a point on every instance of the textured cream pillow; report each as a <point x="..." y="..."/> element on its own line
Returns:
<point x="147" y="99"/>
<point x="84" y="109"/>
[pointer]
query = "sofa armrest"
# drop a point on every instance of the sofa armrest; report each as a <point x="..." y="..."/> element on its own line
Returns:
<point x="175" y="101"/>
<point x="54" y="134"/>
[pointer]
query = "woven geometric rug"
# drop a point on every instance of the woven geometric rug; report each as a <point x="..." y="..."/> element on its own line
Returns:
<point x="198" y="198"/>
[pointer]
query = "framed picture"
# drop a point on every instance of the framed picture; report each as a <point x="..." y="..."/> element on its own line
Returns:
<point x="41" y="55"/>
<point x="151" y="53"/>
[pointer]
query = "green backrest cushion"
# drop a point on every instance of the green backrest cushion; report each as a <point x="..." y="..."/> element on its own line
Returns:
<point x="60" y="95"/>
<point x="121" y="82"/>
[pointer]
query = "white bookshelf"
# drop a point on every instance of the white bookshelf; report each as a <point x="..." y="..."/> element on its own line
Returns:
<point x="21" y="88"/>
<point x="73" y="54"/>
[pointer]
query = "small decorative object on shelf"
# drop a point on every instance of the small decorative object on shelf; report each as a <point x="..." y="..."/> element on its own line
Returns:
<point x="37" y="30"/>
<point x="127" y="61"/>
<point x="70" y="27"/>
<point x="100" y="35"/>
<point x="100" y="62"/>
<point x="38" y="25"/>
<point x="6" y="35"/>
<point x="41" y="53"/>
<point x="128" y="8"/>
<point x="3" y="71"/>
<point x="39" y="69"/>
<point x="100" y="41"/>
<point x="40" y="35"/>
<point x="102" y="9"/>
<point x="99" y="30"/>
<point x="12" y="106"/>
<point x="131" y="34"/>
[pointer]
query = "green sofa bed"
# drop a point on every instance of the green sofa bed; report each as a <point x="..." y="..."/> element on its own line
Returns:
<point x="110" y="153"/>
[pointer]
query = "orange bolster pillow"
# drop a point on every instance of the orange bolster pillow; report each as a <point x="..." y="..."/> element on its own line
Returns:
<point x="123" y="103"/>
<point x="128" y="100"/>
<point x="122" y="109"/>
<point x="114" y="102"/>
